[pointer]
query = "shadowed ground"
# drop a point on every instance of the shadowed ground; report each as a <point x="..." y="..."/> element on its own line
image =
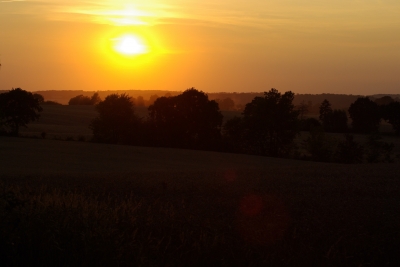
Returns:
<point x="82" y="204"/>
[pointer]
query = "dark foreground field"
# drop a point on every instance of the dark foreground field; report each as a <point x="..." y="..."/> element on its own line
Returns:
<point x="81" y="204"/>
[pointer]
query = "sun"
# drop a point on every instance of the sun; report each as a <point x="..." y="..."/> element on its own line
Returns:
<point x="129" y="45"/>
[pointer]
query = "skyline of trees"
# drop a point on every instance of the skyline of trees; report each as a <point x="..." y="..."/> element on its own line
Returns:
<point x="267" y="125"/>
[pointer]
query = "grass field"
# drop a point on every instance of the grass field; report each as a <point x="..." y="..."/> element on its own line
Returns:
<point x="82" y="204"/>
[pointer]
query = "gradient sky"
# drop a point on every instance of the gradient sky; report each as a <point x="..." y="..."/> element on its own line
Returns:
<point x="306" y="46"/>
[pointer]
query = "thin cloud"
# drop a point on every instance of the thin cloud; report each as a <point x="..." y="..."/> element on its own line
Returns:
<point x="311" y="16"/>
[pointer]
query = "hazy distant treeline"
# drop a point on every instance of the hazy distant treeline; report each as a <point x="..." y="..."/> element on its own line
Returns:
<point x="147" y="97"/>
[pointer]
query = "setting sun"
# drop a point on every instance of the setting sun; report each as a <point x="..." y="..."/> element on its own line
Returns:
<point x="129" y="45"/>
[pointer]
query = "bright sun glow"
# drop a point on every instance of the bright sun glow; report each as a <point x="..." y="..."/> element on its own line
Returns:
<point x="129" y="45"/>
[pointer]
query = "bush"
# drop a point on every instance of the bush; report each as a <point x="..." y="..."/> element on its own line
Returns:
<point x="319" y="146"/>
<point x="378" y="151"/>
<point x="349" y="151"/>
<point x="308" y="124"/>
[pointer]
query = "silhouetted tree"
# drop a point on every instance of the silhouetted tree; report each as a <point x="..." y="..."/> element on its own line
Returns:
<point x="270" y="124"/>
<point x="95" y="99"/>
<point x="49" y="102"/>
<point x="2" y="120"/>
<point x="187" y="120"/>
<point x="325" y="110"/>
<point x="308" y="124"/>
<point x="79" y="100"/>
<point x="319" y="146"/>
<point x="333" y="120"/>
<point x="377" y="150"/>
<point x="385" y="100"/>
<point x="233" y="133"/>
<point x="39" y="97"/>
<point x="365" y="115"/>
<point x="349" y="151"/>
<point x="391" y="114"/>
<point x="338" y="121"/>
<point x="152" y="99"/>
<point x="116" y="122"/>
<point x="17" y="108"/>
<point x="303" y="109"/>
<point x="85" y="100"/>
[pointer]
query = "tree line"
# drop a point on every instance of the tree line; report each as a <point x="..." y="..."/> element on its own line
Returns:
<point x="224" y="103"/>
<point x="267" y="126"/>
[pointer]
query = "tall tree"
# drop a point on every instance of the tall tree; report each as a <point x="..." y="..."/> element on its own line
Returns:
<point x="325" y="112"/>
<point x="391" y="114"/>
<point x="338" y="121"/>
<point x="17" y="108"/>
<point x="365" y="115"/>
<point x="187" y="120"/>
<point x="271" y="123"/>
<point x="303" y="109"/>
<point x="333" y="120"/>
<point x="116" y="122"/>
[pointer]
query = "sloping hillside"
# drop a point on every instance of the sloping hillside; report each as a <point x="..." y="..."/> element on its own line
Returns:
<point x="74" y="203"/>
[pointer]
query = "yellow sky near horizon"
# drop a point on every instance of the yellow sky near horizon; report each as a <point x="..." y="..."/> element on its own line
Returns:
<point x="350" y="47"/>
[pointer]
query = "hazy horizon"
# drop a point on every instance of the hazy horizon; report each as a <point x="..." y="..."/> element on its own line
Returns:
<point x="307" y="47"/>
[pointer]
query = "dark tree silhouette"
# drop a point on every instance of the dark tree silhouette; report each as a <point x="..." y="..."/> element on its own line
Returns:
<point x="385" y="100"/>
<point x="336" y="122"/>
<point x="187" y="120"/>
<point x="116" y="122"/>
<point x="233" y="133"/>
<point x="152" y="99"/>
<point x="365" y="115"/>
<point x="349" y="151"/>
<point x="17" y="108"/>
<point x="85" y="100"/>
<point x="308" y="124"/>
<point x="325" y="109"/>
<point x="270" y="124"/>
<point x="391" y="114"/>
<point x="80" y="100"/>
<point x="40" y="98"/>
<point x="95" y="99"/>
<point x="318" y="145"/>
<point x="303" y="109"/>
<point x="333" y="120"/>
<point x="339" y="121"/>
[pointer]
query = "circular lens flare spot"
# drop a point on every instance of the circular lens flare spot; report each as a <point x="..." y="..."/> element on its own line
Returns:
<point x="129" y="45"/>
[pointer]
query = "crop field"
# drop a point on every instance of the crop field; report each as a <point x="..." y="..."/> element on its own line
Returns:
<point x="83" y="204"/>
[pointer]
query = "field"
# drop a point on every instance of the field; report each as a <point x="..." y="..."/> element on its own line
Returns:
<point x="69" y="203"/>
<point x="82" y="204"/>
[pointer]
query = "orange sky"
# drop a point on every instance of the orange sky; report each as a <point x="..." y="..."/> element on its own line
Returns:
<point x="350" y="47"/>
